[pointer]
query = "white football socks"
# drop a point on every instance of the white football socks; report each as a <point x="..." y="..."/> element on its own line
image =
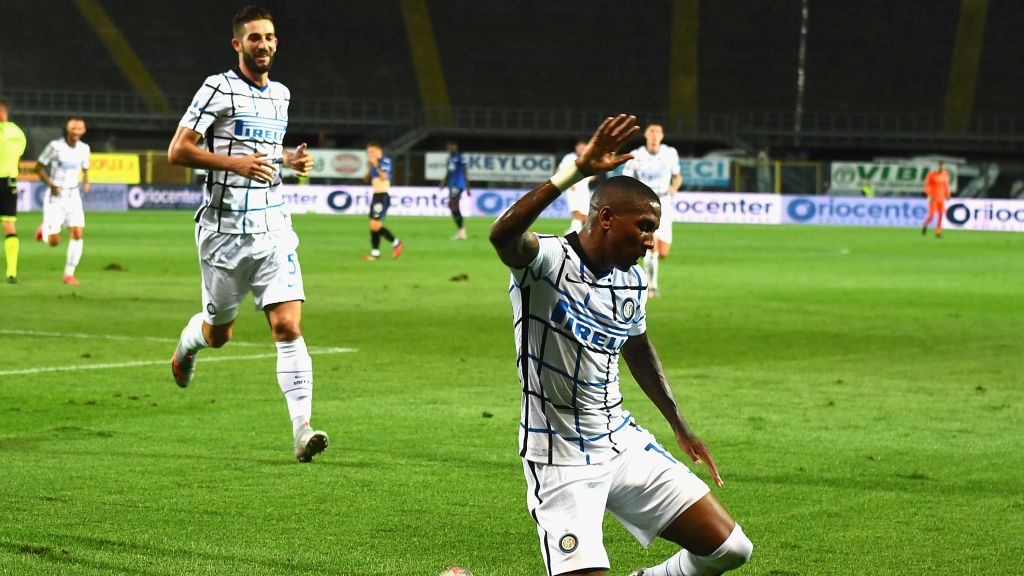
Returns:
<point x="651" y="267"/>
<point x="732" y="554"/>
<point x="74" y="256"/>
<point x="192" y="339"/>
<point x="295" y="376"/>
<point x="575" y="225"/>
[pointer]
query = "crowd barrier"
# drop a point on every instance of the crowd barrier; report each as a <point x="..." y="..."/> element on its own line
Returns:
<point x="704" y="207"/>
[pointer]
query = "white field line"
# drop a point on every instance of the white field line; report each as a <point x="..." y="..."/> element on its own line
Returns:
<point x="77" y="367"/>
<point x="110" y="337"/>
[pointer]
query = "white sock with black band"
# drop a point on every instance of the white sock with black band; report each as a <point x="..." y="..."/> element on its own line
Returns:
<point x="295" y="376"/>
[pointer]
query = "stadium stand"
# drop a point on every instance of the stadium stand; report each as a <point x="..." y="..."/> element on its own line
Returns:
<point x="877" y="72"/>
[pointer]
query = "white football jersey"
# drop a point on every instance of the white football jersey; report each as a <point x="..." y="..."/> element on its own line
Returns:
<point x="569" y="327"/>
<point x="63" y="163"/>
<point x="581" y="186"/>
<point x="655" y="170"/>
<point x="238" y="118"/>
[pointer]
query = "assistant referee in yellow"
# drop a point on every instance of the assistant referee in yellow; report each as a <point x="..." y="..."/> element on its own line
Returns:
<point x="12" y="146"/>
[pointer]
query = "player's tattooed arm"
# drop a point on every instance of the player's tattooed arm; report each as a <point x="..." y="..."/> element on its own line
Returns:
<point x="511" y="235"/>
<point x="184" y="150"/>
<point x="645" y="366"/>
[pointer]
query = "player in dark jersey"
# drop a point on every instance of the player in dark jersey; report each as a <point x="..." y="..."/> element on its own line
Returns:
<point x="457" y="181"/>
<point x="380" y="180"/>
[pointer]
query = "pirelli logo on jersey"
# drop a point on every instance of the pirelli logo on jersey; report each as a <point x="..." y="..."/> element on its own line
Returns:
<point x="585" y="332"/>
<point x="265" y="129"/>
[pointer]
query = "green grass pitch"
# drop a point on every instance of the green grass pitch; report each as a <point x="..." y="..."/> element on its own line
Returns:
<point x="861" y="389"/>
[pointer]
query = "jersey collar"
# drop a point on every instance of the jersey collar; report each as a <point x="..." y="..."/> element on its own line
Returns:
<point x="574" y="242"/>
<point x="244" y="78"/>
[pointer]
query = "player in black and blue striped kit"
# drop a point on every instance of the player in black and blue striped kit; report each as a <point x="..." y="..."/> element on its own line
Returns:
<point x="380" y="181"/>
<point x="457" y="181"/>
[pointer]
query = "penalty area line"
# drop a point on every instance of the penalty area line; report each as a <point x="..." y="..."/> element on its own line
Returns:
<point x="114" y="365"/>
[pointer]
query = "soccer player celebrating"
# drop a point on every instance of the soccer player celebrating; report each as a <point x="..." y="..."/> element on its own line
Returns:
<point x="243" y="229"/>
<point x="457" y="181"/>
<point x="380" y="181"/>
<point x="578" y="196"/>
<point x="657" y="165"/>
<point x="578" y="301"/>
<point x="12" y="146"/>
<point x="936" y="188"/>
<point x="58" y="167"/>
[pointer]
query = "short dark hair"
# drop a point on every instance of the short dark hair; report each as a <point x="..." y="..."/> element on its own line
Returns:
<point x="248" y="14"/>
<point x="3" y="102"/>
<point x="618" y="188"/>
<point x="374" y="144"/>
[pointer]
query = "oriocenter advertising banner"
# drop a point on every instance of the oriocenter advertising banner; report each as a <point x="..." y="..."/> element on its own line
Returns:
<point x="725" y="208"/>
<point x="107" y="168"/>
<point x="494" y="166"/>
<point x="964" y="214"/>
<point x="904" y="179"/>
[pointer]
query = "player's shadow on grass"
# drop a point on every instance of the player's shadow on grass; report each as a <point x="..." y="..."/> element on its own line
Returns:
<point x="70" y="546"/>
<point x="883" y="480"/>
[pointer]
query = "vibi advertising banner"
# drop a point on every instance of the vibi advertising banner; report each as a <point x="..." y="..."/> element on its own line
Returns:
<point x="494" y="167"/>
<point x="905" y="178"/>
<point x="964" y="214"/>
<point x="705" y="172"/>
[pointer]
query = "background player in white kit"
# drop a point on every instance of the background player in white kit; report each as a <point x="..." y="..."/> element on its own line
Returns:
<point x="59" y="166"/>
<point x="578" y="196"/>
<point x="657" y="165"/>
<point x="243" y="232"/>
<point x="578" y="301"/>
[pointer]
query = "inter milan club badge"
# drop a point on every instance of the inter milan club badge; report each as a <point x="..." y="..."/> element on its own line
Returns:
<point x="628" y="309"/>
<point x="568" y="543"/>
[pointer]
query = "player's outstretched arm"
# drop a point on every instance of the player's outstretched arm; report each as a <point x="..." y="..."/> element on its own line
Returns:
<point x="185" y="151"/>
<point x="646" y="368"/>
<point x="510" y="233"/>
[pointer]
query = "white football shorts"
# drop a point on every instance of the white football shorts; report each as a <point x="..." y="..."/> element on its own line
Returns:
<point x="64" y="210"/>
<point x="645" y="488"/>
<point x="668" y="215"/>
<point x="578" y="197"/>
<point x="233" y="265"/>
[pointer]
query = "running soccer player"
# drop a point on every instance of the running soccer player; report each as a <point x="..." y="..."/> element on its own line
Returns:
<point x="578" y="302"/>
<point x="657" y="165"/>
<point x="243" y="229"/>
<point x="12" y="146"/>
<point x="578" y="197"/>
<point x="380" y="180"/>
<point x="936" y="188"/>
<point x="58" y="167"/>
<point x="457" y="181"/>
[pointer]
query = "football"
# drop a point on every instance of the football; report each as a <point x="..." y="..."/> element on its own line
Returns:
<point x="456" y="571"/>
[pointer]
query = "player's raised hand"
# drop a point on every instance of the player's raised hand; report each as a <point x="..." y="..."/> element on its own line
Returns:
<point x="254" y="167"/>
<point x="698" y="452"/>
<point x="301" y="160"/>
<point x="599" y="155"/>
